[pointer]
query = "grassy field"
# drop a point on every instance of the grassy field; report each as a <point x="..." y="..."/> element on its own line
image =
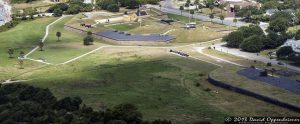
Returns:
<point x="69" y="46"/>
<point x="126" y="27"/>
<point x="23" y="37"/>
<point x="160" y="84"/>
<point x="41" y="5"/>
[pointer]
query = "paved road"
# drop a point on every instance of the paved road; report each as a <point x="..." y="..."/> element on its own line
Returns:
<point x="250" y="56"/>
<point x="169" y="7"/>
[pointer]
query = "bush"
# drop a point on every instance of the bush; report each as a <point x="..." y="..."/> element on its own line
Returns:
<point x="284" y="51"/>
<point x="264" y="73"/>
<point x="234" y="39"/>
<point x="88" y="40"/>
<point x="252" y="44"/>
<point x="207" y="89"/>
<point x="57" y="12"/>
<point x="297" y="36"/>
<point x="269" y="64"/>
<point x="61" y="6"/>
<point x="113" y="8"/>
<point x="197" y="84"/>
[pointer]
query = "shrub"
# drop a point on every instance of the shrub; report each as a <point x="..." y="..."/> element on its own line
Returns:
<point x="57" y="12"/>
<point x="197" y="84"/>
<point x="113" y="8"/>
<point x="88" y="40"/>
<point x="269" y="64"/>
<point x="264" y="73"/>
<point x="284" y="51"/>
<point x="234" y="39"/>
<point x="252" y="44"/>
<point x="207" y="89"/>
<point x="297" y="36"/>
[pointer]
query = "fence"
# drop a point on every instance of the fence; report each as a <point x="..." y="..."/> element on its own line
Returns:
<point x="252" y="94"/>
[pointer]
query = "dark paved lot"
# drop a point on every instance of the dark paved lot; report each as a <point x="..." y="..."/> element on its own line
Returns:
<point x="285" y="83"/>
<point x="122" y="36"/>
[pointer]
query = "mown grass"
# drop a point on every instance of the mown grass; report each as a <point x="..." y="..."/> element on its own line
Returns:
<point x="160" y="84"/>
<point x="125" y="27"/>
<point x="23" y="37"/>
<point x="69" y="46"/>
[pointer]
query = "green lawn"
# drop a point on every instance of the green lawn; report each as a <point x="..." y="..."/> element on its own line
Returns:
<point x="69" y="46"/>
<point x="23" y="37"/>
<point x="125" y="27"/>
<point x="180" y="18"/>
<point x="160" y="84"/>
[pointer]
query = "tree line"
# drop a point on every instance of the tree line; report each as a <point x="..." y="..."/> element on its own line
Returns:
<point x="22" y="103"/>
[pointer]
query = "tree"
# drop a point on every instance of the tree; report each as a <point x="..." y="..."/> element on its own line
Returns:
<point x="23" y="103"/>
<point x="235" y="21"/>
<point x="211" y="16"/>
<point x="88" y="40"/>
<point x="11" y="52"/>
<point x="284" y="52"/>
<point x="197" y="3"/>
<point x="251" y="30"/>
<point x="297" y="36"/>
<point x="222" y="17"/>
<point x="89" y="33"/>
<point x="113" y="8"/>
<point x="297" y="15"/>
<point x="192" y="12"/>
<point x="58" y="35"/>
<point x="252" y="44"/>
<point x="57" y="12"/>
<point x="127" y="112"/>
<point x="211" y="7"/>
<point x="181" y="9"/>
<point x="222" y="6"/>
<point x="21" y="63"/>
<point x="41" y="45"/>
<point x="234" y="39"/>
<point x="278" y="25"/>
<point x="22" y="54"/>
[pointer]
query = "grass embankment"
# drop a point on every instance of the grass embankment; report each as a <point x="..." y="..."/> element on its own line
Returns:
<point x="235" y="79"/>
